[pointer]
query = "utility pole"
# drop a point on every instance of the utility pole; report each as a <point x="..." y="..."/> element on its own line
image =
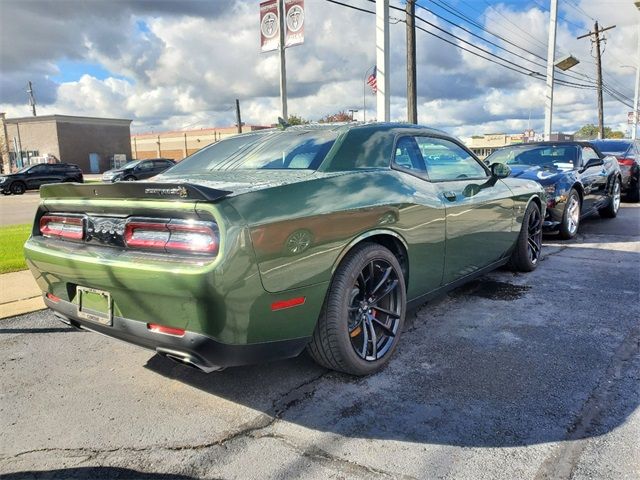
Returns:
<point x="634" y="132"/>
<point x="596" y="34"/>
<point x="238" y="119"/>
<point x="551" y="54"/>
<point x="383" y="97"/>
<point x="32" y="100"/>
<point x="283" y="62"/>
<point x="412" y="96"/>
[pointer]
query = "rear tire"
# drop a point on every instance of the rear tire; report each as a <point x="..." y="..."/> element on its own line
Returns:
<point x="363" y="313"/>
<point x="18" y="188"/>
<point x="527" y="252"/>
<point x="611" y="210"/>
<point x="571" y="216"/>
<point x="129" y="178"/>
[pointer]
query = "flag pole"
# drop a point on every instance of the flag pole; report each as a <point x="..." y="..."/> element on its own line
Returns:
<point x="283" y="63"/>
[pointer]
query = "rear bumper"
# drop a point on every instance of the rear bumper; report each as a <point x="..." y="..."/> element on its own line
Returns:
<point x="192" y="349"/>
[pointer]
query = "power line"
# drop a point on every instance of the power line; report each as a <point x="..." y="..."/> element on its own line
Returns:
<point x="523" y="70"/>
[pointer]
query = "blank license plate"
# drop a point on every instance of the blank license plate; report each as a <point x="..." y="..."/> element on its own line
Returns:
<point x="94" y="305"/>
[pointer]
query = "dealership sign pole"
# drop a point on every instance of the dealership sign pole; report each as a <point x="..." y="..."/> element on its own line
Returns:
<point x="281" y="26"/>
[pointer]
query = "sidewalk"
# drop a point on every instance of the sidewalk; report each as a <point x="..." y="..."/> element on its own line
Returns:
<point x="19" y="294"/>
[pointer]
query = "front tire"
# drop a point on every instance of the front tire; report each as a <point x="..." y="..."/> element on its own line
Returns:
<point x="18" y="188"/>
<point x="571" y="216"/>
<point x="611" y="210"/>
<point x="363" y="314"/>
<point x="527" y="252"/>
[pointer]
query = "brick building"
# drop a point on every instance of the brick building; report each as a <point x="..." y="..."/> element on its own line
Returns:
<point x="89" y="142"/>
<point x="180" y="143"/>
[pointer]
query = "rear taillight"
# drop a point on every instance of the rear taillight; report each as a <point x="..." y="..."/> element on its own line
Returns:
<point x="62" y="226"/>
<point x="626" y="161"/>
<point x="155" y="328"/>
<point x="175" y="235"/>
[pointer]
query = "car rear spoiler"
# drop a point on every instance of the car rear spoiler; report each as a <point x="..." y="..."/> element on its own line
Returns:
<point x="131" y="190"/>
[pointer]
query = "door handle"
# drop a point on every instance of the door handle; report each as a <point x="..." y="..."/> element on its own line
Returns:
<point x="451" y="196"/>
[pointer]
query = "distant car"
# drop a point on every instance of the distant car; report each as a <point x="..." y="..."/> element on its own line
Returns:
<point x="578" y="180"/>
<point x="628" y="154"/>
<point x="138" y="170"/>
<point x="32" y="176"/>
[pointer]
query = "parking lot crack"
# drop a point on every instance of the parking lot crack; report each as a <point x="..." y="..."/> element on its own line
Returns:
<point x="563" y="460"/>
<point x="347" y="467"/>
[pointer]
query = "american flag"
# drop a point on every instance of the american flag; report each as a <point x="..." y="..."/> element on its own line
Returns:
<point x="372" y="80"/>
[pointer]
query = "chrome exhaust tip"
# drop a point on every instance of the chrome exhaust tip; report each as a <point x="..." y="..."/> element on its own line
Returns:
<point x="187" y="360"/>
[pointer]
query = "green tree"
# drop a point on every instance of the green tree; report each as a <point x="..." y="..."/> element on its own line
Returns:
<point x="590" y="131"/>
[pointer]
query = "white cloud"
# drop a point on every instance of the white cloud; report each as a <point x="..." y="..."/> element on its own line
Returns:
<point x="192" y="60"/>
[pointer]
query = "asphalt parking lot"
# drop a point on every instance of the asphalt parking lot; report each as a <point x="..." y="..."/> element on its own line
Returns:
<point x="513" y="376"/>
<point x="18" y="209"/>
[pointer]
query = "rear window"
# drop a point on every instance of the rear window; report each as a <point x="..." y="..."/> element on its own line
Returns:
<point x="559" y="156"/>
<point x="278" y="150"/>
<point x="612" y="147"/>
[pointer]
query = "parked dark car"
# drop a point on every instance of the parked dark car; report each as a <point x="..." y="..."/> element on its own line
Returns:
<point x="628" y="154"/>
<point x="578" y="180"/>
<point x="138" y="170"/>
<point x="266" y="243"/>
<point x="32" y="176"/>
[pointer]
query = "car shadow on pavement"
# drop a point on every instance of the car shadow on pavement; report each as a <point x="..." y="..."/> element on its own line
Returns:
<point x="473" y="369"/>
<point x="93" y="473"/>
<point x="36" y="330"/>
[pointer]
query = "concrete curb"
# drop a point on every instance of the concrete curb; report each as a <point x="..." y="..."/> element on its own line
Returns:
<point x="20" y="307"/>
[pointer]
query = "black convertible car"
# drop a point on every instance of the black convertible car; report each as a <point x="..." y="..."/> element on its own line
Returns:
<point x="578" y="180"/>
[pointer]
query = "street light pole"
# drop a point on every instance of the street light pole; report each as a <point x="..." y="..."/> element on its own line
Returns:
<point x="634" y="132"/>
<point x="383" y="99"/>
<point x="551" y="53"/>
<point x="283" y="61"/>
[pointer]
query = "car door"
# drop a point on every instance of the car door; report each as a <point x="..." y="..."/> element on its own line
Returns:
<point x="160" y="166"/>
<point x="478" y="208"/>
<point x="145" y="170"/>
<point x="37" y="175"/>
<point x="594" y="180"/>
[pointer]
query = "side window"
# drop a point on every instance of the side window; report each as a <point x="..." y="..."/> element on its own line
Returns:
<point x="146" y="166"/>
<point x="39" y="169"/>
<point x="158" y="164"/>
<point x="408" y="156"/>
<point x="445" y="160"/>
<point x="587" y="154"/>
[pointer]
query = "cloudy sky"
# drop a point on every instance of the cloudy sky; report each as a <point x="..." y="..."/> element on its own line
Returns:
<point x="181" y="64"/>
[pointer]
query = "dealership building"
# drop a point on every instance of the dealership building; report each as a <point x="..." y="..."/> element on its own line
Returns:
<point x="178" y="144"/>
<point x="92" y="143"/>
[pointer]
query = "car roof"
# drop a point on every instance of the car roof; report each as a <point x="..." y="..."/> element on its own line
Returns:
<point x="563" y="143"/>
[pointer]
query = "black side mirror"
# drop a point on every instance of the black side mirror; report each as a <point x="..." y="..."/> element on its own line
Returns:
<point x="592" y="162"/>
<point x="500" y="170"/>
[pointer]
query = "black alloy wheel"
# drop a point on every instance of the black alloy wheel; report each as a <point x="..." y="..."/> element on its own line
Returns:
<point x="18" y="188"/>
<point x="363" y="314"/>
<point x="528" y="249"/>
<point x="374" y="312"/>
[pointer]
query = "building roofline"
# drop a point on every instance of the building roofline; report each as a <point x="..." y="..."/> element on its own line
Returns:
<point x="197" y="130"/>
<point x="68" y="118"/>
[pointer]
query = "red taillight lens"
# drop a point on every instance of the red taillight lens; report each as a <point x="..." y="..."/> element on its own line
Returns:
<point x="53" y="298"/>
<point x="196" y="237"/>
<point x="60" y="226"/>
<point x="626" y="161"/>
<point x="155" y="328"/>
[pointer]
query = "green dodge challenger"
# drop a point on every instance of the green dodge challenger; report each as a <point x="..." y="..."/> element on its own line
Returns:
<point x="267" y="243"/>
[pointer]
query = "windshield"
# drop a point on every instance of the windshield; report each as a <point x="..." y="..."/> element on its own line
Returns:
<point x="539" y="156"/>
<point x="610" y="147"/>
<point x="24" y="169"/>
<point x="292" y="150"/>
<point x="130" y="164"/>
